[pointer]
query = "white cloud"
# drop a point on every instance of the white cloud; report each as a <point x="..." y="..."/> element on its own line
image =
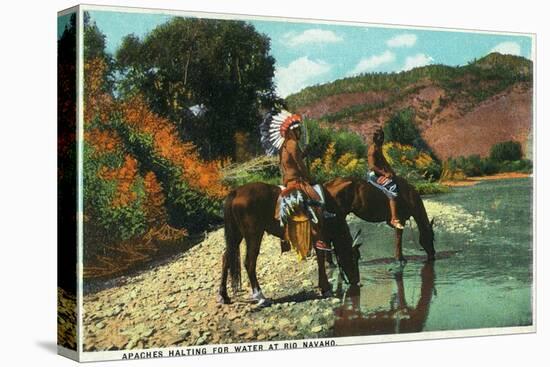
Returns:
<point x="508" y="48"/>
<point x="402" y="40"/>
<point x="372" y="62"/>
<point x="417" y="60"/>
<point x="299" y="74"/>
<point x="311" y="36"/>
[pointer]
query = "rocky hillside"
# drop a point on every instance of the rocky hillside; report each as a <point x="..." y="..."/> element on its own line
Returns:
<point x="460" y="110"/>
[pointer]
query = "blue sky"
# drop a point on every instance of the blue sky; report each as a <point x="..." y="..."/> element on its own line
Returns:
<point x="308" y="53"/>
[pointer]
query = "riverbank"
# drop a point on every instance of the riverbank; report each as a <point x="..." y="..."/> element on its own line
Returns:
<point x="175" y="303"/>
<point x="470" y="181"/>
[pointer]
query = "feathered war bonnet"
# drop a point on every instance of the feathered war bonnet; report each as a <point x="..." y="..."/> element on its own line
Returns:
<point x="274" y="127"/>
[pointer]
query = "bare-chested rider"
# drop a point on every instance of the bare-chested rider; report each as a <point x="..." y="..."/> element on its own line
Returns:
<point x="296" y="175"/>
<point x="382" y="175"/>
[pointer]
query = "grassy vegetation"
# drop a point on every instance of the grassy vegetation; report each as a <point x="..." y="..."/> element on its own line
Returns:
<point x="504" y="157"/>
<point x="260" y="169"/>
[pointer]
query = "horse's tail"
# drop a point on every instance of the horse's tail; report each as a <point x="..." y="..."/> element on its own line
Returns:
<point x="232" y="243"/>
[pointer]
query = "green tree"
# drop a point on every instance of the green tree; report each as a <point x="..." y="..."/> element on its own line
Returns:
<point x="212" y="78"/>
<point x="95" y="48"/>
<point x="402" y="129"/>
<point x="506" y="151"/>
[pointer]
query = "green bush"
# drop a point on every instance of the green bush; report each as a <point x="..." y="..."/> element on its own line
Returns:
<point x="506" y="151"/>
<point x="523" y="165"/>
<point x="412" y="163"/>
<point x="103" y="220"/>
<point x="429" y="188"/>
<point x="402" y="129"/>
<point x="345" y="141"/>
<point x="474" y="165"/>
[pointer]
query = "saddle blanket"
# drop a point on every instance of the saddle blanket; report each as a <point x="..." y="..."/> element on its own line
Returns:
<point x="296" y="197"/>
<point x="388" y="187"/>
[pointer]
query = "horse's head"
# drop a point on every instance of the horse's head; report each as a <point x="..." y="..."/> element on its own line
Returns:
<point x="348" y="255"/>
<point x="427" y="239"/>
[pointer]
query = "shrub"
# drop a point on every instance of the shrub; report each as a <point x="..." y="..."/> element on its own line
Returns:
<point x="344" y="141"/>
<point x="402" y="129"/>
<point x="141" y="181"/>
<point x="506" y="151"/>
<point x="411" y="163"/>
<point x="331" y="165"/>
<point x="461" y="167"/>
<point x="523" y="165"/>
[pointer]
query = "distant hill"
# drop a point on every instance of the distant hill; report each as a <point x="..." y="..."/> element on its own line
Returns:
<point x="459" y="110"/>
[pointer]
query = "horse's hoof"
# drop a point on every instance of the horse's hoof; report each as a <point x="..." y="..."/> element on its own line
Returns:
<point x="264" y="302"/>
<point x="327" y="293"/>
<point x="401" y="261"/>
<point x="259" y="298"/>
<point x="224" y="300"/>
<point x="397" y="266"/>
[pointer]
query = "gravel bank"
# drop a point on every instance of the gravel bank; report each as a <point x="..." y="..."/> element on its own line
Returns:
<point x="175" y="304"/>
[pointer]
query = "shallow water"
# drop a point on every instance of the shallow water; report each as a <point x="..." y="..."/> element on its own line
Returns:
<point x="482" y="277"/>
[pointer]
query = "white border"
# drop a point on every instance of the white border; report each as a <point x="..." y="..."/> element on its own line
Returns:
<point x="368" y="339"/>
<point x="340" y="341"/>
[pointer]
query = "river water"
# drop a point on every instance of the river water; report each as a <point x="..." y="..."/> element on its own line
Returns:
<point x="482" y="277"/>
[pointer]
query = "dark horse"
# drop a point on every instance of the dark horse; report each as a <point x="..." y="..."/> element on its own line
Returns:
<point x="357" y="196"/>
<point x="249" y="212"/>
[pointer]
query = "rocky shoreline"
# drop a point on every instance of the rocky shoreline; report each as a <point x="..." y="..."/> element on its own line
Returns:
<point x="175" y="304"/>
<point x="471" y="181"/>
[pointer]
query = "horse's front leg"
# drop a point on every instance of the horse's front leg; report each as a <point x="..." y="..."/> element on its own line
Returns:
<point x="324" y="285"/>
<point x="399" y="247"/>
<point x="329" y="258"/>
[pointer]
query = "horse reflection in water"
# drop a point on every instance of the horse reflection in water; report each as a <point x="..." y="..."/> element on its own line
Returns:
<point x="399" y="318"/>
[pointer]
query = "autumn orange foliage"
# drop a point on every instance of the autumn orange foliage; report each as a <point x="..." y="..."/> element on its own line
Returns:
<point x="125" y="177"/>
<point x="156" y="213"/>
<point x="100" y="106"/>
<point x="199" y="174"/>
<point x="97" y="103"/>
<point x="103" y="141"/>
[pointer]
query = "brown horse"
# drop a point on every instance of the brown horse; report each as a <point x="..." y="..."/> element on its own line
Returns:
<point x="357" y="196"/>
<point x="249" y="212"/>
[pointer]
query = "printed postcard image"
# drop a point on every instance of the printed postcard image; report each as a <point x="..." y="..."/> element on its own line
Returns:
<point x="232" y="183"/>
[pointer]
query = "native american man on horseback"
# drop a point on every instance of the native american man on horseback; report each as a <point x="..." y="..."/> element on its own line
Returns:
<point x="300" y="200"/>
<point x="382" y="176"/>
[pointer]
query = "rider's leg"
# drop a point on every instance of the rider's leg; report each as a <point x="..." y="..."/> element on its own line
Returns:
<point x="317" y="236"/>
<point x="394" y="220"/>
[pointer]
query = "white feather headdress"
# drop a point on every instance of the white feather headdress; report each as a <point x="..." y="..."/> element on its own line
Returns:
<point x="274" y="127"/>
